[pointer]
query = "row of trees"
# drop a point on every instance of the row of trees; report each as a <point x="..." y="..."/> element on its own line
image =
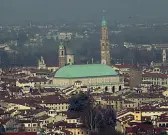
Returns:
<point x="86" y="49"/>
<point x="152" y="35"/>
<point x="29" y="56"/>
<point x="134" y="56"/>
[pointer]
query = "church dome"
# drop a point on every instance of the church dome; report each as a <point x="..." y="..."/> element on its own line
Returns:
<point x="87" y="70"/>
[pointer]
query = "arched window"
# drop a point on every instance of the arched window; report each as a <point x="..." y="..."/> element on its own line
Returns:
<point x="106" y="88"/>
<point x="62" y="53"/>
<point x="119" y="87"/>
<point x="113" y="89"/>
<point x="69" y="60"/>
<point x="103" y="46"/>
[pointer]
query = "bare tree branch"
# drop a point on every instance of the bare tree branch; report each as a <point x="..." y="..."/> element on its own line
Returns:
<point x="95" y="118"/>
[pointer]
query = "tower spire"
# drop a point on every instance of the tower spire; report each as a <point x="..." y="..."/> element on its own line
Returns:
<point x="164" y="56"/>
<point x="62" y="55"/>
<point x="105" y="44"/>
<point x="104" y="22"/>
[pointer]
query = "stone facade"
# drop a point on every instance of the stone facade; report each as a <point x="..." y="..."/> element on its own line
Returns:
<point x="110" y="82"/>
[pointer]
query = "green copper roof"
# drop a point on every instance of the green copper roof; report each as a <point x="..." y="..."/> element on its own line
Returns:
<point x="104" y="22"/>
<point x="87" y="70"/>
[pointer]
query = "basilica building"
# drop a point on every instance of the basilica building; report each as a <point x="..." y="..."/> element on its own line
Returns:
<point x="91" y="75"/>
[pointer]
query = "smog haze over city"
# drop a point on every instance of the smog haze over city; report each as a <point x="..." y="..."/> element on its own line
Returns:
<point x="83" y="67"/>
<point x="19" y="11"/>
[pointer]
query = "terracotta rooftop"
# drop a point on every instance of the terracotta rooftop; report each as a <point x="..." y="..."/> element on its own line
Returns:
<point x="54" y="100"/>
<point x="123" y="66"/>
<point x="44" y="117"/>
<point x="155" y="75"/>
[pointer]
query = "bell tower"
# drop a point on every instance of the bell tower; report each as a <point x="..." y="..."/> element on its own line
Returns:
<point x="62" y="55"/>
<point x="164" y="56"/>
<point x="105" y="44"/>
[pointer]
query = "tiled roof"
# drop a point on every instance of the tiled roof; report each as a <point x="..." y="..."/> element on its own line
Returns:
<point x="128" y="102"/>
<point x="72" y="115"/>
<point x="28" y="121"/>
<point x="112" y="98"/>
<point x="123" y="66"/>
<point x="145" y="95"/>
<point x="24" y="101"/>
<point x="145" y="128"/>
<point x="155" y="75"/>
<point x="14" y="89"/>
<point x="30" y="112"/>
<point x="32" y="79"/>
<point x="36" y="79"/>
<point x="44" y="117"/>
<point x="21" y="133"/>
<point x="54" y="100"/>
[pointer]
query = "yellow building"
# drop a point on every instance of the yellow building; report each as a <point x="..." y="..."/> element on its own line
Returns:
<point x="60" y="105"/>
<point x="113" y="102"/>
<point x="137" y="115"/>
<point x="78" y="131"/>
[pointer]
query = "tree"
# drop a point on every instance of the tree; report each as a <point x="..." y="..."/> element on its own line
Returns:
<point x="78" y="103"/>
<point x="96" y="119"/>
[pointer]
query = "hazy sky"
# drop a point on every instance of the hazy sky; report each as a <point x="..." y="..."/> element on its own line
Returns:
<point x="48" y="10"/>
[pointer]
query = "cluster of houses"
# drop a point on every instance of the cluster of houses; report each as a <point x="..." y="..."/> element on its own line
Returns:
<point x="29" y="104"/>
